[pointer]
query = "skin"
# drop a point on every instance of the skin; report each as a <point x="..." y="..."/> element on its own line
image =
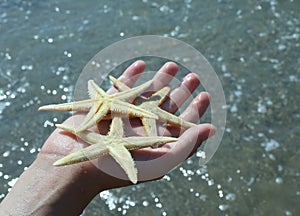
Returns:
<point x="47" y="190"/>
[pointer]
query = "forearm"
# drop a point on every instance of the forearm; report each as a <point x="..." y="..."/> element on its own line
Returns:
<point x="47" y="190"/>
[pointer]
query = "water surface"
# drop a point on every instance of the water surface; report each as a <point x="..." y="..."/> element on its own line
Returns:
<point x="252" y="45"/>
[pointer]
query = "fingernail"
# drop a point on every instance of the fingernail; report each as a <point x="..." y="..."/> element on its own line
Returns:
<point x="188" y="77"/>
<point x="192" y="78"/>
<point x="212" y="131"/>
<point x="136" y="63"/>
<point x="166" y="65"/>
<point x="170" y="64"/>
<point x="198" y="98"/>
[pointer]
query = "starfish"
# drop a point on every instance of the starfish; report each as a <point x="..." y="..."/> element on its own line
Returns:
<point x="102" y="103"/>
<point x="114" y="144"/>
<point x="152" y="104"/>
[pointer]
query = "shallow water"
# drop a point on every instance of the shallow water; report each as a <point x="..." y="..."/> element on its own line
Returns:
<point x="254" y="48"/>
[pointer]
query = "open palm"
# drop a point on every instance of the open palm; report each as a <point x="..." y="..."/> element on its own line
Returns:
<point x="151" y="163"/>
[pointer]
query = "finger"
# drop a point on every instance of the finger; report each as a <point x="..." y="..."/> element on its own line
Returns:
<point x="192" y="113"/>
<point x="179" y="95"/>
<point x="196" y="108"/>
<point x="161" y="160"/>
<point x="164" y="75"/>
<point x="208" y="131"/>
<point x="191" y="137"/>
<point x="131" y="74"/>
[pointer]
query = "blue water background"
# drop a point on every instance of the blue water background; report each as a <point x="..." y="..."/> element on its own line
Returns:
<point x="254" y="48"/>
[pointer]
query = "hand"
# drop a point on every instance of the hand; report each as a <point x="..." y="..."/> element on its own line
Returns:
<point x="45" y="189"/>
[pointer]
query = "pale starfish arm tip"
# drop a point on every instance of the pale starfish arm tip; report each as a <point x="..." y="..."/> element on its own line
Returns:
<point x="59" y="125"/>
<point x="45" y="107"/>
<point x="55" y="107"/>
<point x="84" y="105"/>
<point x="58" y="163"/>
<point x="123" y="157"/>
<point x="75" y="157"/>
<point x="68" y="160"/>
<point x="65" y="127"/>
<point x="134" y="181"/>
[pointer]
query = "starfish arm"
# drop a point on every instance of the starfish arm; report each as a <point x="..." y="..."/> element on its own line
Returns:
<point x="160" y="95"/>
<point x="122" y="87"/>
<point x="170" y="118"/>
<point x="150" y="126"/>
<point x="116" y="127"/>
<point x="138" y="142"/>
<point x="94" y="90"/>
<point x="132" y="93"/>
<point x="124" y="159"/>
<point x="83" y="105"/>
<point x="95" y="115"/>
<point x="130" y="109"/>
<point x="87" y="136"/>
<point x="88" y="153"/>
<point x="156" y="99"/>
<point x="118" y="84"/>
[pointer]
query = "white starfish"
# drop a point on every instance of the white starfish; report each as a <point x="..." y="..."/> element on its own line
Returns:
<point x="114" y="144"/>
<point x="102" y="103"/>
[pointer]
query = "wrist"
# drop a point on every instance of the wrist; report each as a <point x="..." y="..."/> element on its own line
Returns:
<point x="47" y="190"/>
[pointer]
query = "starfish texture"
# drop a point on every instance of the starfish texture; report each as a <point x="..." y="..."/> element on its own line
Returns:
<point x="114" y="144"/>
<point x="152" y="104"/>
<point x="102" y="103"/>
